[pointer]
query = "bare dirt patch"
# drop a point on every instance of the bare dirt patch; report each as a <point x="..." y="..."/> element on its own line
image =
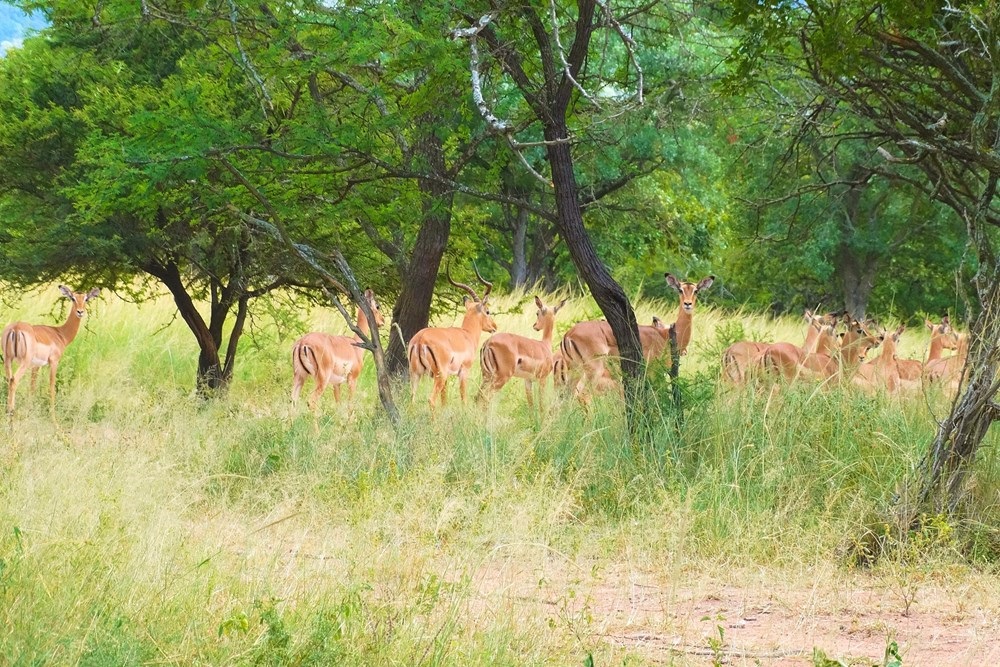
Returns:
<point x="772" y="618"/>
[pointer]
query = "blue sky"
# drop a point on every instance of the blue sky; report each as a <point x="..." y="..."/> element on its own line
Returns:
<point x="15" y="24"/>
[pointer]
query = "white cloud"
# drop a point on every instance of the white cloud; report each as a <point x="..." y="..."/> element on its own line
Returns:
<point x="8" y="44"/>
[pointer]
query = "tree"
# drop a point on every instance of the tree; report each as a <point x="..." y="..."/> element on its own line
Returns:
<point x="551" y="80"/>
<point x="90" y="108"/>
<point x="926" y="80"/>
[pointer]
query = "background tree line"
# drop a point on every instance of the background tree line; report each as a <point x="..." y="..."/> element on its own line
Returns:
<point x="134" y="136"/>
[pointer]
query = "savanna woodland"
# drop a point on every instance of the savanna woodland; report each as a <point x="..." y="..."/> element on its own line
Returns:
<point x="280" y="268"/>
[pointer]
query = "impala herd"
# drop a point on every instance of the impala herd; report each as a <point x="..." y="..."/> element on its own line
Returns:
<point x="584" y="351"/>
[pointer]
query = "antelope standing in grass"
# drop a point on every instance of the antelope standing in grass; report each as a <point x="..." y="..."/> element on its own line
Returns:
<point x="36" y="345"/>
<point x="506" y="355"/>
<point x="331" y="360"/>
<point x="743" y="358"/>
<point x="445" y="351"/>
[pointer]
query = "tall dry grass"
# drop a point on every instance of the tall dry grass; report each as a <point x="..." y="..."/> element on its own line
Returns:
<point x="150" y="527"/>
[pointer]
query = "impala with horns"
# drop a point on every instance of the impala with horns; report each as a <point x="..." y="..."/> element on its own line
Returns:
<point x="506" y="355"/>
<point x="36" y="345"/>
<point x="743" y="358"/>
<point x="445" y="351"/>
<point x="332" y="360"/>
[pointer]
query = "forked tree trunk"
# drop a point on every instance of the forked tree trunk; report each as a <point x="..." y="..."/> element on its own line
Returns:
<point x="214" y="375"/>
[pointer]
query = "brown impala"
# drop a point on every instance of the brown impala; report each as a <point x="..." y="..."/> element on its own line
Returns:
<point x="36" y="345"/>
<point x="506" y="355"/>
<point x="331" y="359"/>
<point x="742" y="359"/>
<point x="587" y="344"/>
<point x="445" y="351"/>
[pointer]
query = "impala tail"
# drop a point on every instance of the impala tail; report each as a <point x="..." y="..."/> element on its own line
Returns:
<point x="422" y="359"/>
<point x="303" y="359"/>
<point x="488" y="360"/>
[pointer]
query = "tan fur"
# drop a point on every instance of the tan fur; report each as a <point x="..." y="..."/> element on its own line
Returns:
<point x="505" y="355"/>
<point x="331" y="360"/>
<point x="742" y="359"/>
<point x="36" y="345"/>
<point x="943" y="337"/>
<point x="882" y="372"/>
<point x="948" y="371"/>
<point x="688" y="293"/>
<point x="587" y="345"/>
<point x="445" y="351"/>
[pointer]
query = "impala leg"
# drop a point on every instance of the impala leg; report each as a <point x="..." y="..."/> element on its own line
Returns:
<point x="317" y="393"/>
<point x="463" y="375"/>
<point x="297" y="382"/>
<point x="414" y="381"/>
<point x="34" y="379"/>
<point x="52" y="389"/>
<point x="440" y="389"/>
<point x="13" y="379"/>
<point x="336" y="393"/>
<point x="530" y="393"/>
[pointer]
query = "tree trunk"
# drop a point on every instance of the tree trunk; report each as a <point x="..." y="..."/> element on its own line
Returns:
<point x="606" y="291"/>
<point x="519" y="250"/>
<point x="959" y="436"/>
<point x="857" y="279"/>
<point x="412" y="310"/>
<point x="212" y="374"/>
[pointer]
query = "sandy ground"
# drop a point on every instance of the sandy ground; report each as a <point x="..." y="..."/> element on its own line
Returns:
<point x="765" y="619"/>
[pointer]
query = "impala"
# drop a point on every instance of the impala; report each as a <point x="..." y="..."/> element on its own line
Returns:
<point x="588" y="344"/>
<point x="688" y="292"/>
<point x="883" y="370"/>
<point x="830" y="359"/>
<point x="331" y="359"/>
<point x="948" y="371"/>
<point x="506" y="355"/>
<point x="743" y="357"/>
<point x="943" y="337"/>
<point x="36" y="345"/>
<point x="443" y="352"/>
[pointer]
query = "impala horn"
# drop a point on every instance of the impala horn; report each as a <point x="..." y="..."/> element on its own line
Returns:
<point x="489" y="285"/>
<point x="461" y="286"/>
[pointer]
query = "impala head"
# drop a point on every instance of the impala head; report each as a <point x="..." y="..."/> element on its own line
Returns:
<point x="890" y="340"/>
<point x="475" y="306"/>
<point x="943" y="332"/>
<point x="688" y="291"/>
<point x="373" y="304"/>
<point x="858" y="340"/>
<point x="79" y="299"/>
<point x="545" y="314"/>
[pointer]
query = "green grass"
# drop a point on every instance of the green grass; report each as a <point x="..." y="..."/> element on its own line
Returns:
<point x="150" y="527"/>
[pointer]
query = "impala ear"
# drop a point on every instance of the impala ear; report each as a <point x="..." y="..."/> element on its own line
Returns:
<point x="561" y="304"/>
<point x="66" y="292"/>
<point x="672" y="281"/>
<point x="928" y="324"/>
<point x="369" y="294"/>
<point x="91" y="294"/>
<point x="705" y="283"/>
<point x="538" y="302"/>
<point x="899" y="331"/>
<point x="808" y="314"/>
